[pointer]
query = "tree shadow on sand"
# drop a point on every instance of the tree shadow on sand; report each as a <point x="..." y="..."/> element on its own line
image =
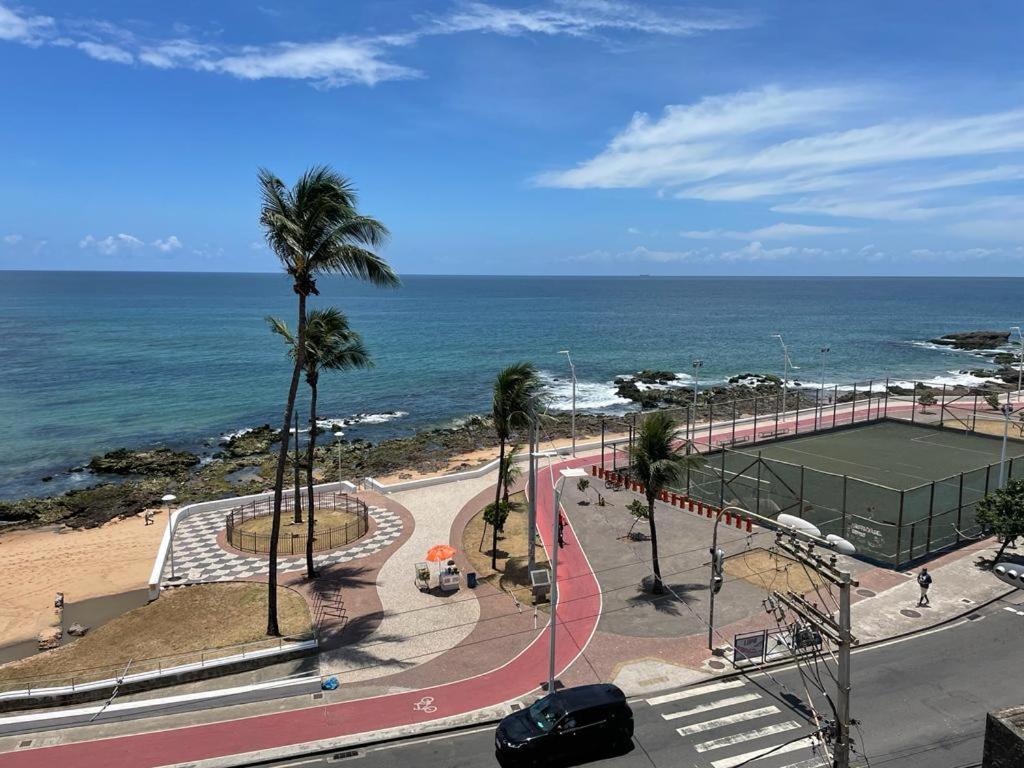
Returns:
<point x="670" y="601"/>
<point x="355" y="643"/>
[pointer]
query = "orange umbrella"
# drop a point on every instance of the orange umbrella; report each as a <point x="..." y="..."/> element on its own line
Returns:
<point x="439" y="553"/>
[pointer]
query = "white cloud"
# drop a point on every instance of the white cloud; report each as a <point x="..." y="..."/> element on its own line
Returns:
<point x="111" y="244"/>
<point x="105" y="52"/>
<point x="780" y="231"/>
<point x="13" y="239"/>
<point x="819" y="151"/>
<point x="360" y="59"/>
<point x="172" y="243"/>
<point x="23" y="29"/>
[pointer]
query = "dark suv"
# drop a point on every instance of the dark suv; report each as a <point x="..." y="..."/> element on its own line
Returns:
<point x="565" y="724"/>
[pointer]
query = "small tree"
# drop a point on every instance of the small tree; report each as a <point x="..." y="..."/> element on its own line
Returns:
<point x="926" y="399"/>
<point x="639" y="512"/>
<point x="582" y="485"/>
<point x="1001" y="513"/>
<point x="1020" y="422"/>
<point x="496" y="515"/>
<point x="992" y="399"/>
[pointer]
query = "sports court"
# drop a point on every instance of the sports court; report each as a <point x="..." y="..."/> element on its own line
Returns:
<point x="891" y="453"/>
<point x="897" y="490"/>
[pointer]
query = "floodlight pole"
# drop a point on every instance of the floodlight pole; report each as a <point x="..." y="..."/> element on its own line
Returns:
<point x="821" y="389"/>
<point x="572" y="371"/>
<point x="1007" y="409"/>
<point x="337" y="436"/>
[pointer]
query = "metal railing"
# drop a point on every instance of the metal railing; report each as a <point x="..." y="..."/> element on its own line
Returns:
<point x="295" y="543"/>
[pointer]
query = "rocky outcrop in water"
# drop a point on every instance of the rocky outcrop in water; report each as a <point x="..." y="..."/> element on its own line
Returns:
<point x="160" y="461"/>
<point x="974" y="339"/>
<point x="251" y="442"/>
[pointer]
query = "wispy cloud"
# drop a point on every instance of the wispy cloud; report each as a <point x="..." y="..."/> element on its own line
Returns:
<point x="167" y="245"/>
<point x="819" y="151"/>
<point x="13" y="239"/>
<point x="780" y="231"/>
<point x="364" y="59"/>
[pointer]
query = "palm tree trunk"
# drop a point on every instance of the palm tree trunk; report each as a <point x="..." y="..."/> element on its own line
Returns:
<point x="497" y="500"/>
<point x="310" y="569"/>
<point x="273" y="628"/>
<point x="657" y="588"/>
<point x="297" y="496"/>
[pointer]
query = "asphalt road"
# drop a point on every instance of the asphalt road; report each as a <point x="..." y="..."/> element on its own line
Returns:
<point x="921" y="702"/>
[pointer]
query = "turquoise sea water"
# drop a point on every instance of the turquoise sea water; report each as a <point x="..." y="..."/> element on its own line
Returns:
<point x="94" y="361"/>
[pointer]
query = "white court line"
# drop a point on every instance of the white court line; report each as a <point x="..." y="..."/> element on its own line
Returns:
<point x="691" y="692"/>
<point x="737" y="760"/>
<point x="739" y="738"/>
<point x="718" y="722"/>
<point x="713" y="705"/>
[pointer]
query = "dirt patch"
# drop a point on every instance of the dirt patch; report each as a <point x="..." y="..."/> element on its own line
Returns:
<point x="183" y="626"/>
<point x="772" y="571"/>
<point x="512" y="573"/>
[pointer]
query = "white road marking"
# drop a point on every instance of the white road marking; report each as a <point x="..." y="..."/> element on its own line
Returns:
<point x="813" y="762"/>
<point x="1013" y="610"/>
<point x="691" y="692"/>
<point x="713" y="705"/>
<point x="739" y="738"/>
<point x="736" y="760"/>
<point x="718" y="722"/>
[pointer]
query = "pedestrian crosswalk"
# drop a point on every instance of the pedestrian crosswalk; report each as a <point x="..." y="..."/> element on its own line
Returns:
<point x="733" y="723"/>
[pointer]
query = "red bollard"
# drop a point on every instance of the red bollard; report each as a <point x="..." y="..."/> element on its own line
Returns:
<point x="700" y="508"/>
<point x="593" y="470"/>
<point x="728" y="518"/>
<point x="664" y="495"/>
<point x="739" y="522"/>
<point x="690" y="505"/>
<point x="750" y="526"/>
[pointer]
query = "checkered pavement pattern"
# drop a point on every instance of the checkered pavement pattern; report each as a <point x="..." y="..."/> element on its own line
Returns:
<point x="198" y="558"/>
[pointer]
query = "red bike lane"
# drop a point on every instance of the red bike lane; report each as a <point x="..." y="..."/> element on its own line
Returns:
<point x="579" y="607"/>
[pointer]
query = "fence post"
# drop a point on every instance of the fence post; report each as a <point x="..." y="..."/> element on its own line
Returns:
<point x="711" y="424"/>
<point x="758" y="483"/>
<point x="886" y="414"/>
<point x="913" y="403"/>
<point x="871" y="394"/>
<point x="853" y="404"/>
<point x="734" y="422"/>
<point x="942" y="407"/>
<point x="974" y="415"/>
<point x="959" y="507"/>
<point x="801" y="513"/>
<point x="835" y="404"/>
<point x="721" y="489"/>
<point x="988" y="472"/>
<point x="931" y="513"/>
<point x="899" y="532"/>
<point x="843" y="534"/>
<point x="602" y="444"/>
<point x="778" y="405"/>
<point x="753" y="438"/>
<point x="913" y="530"/>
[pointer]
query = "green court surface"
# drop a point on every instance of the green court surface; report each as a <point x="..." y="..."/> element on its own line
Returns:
<point x="891" y="453"/>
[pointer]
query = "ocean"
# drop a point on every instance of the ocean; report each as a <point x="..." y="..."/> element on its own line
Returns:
<point x="99" y="360"/>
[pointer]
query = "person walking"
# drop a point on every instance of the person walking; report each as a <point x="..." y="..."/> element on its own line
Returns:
<point x="924" y="580"/>
<point x="561" y="530"/>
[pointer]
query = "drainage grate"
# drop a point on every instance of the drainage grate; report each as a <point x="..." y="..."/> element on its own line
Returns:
<point x="966" y="600"/>
<point x="973" y="616"/>
<point x="26" y="743"/>
<point x="516" y="706"/>
<point x="346" y="755"/>
<point x="910" y="614"/>
<point x="318" y="695"/>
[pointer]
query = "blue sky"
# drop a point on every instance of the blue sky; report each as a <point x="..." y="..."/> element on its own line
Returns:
<point x="589" y="136"/>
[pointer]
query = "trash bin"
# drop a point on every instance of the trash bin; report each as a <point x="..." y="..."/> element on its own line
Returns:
<point x="471" y="580"/>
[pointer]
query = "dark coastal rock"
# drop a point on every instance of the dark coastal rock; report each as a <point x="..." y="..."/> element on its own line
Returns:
<point x="77" y="630"/>
<point x="158" y="461"/>
<point x="655" y="377"/>
<point x="252" y="442"/>
<point x="87" y="507"/>
<point x="974" y="339"/>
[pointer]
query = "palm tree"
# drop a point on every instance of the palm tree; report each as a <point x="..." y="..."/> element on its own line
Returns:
<point x="313" y="228"/>
<point x="330" y="345"/>
<point x="516" y="391"/>
<point x="510" y="471"/>
<point x="657" y="463"/>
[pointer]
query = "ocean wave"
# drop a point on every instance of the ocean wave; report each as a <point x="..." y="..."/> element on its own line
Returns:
<point x="360" y="418"/>
<point x="227" y="437"/>
<point x="590" y="395"/>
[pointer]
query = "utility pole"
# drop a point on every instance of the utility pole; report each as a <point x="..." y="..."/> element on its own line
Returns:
<point x="837" y="630"/>
<point x="531" y="514"/>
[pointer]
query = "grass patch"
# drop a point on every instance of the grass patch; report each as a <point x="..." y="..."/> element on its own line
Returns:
<point x="328" y="518"/>
<point x="185" y="625"/>
<point x="773" y="571"/>
<point x="512" y="572"/>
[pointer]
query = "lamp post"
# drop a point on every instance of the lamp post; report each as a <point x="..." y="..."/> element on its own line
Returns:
<point x="337" y="436"/>
<point x="1020" y="361"/>
<point x="785" y="369"/>
<point x="167" y="500"/>
<point x="572" y="372"/>
<point x="821" y="390"/>
<point x="556" y="497"/>
<point x="697" y="365"/>
<point x="1007" y="409"/>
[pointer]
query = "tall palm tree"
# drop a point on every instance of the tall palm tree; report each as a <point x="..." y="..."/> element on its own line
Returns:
<point x="657" y="462"/>
<point x="516" y="391"/>
<point x="510" y="471"/>
<point x="333" y="346"/>
<point x="313" y="228"/>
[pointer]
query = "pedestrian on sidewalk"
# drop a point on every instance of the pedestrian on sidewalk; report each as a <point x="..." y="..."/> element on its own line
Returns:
<point x="561" y="530"/>
<point x="924" y="580"/>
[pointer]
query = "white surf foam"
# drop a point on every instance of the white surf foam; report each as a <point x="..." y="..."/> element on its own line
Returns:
<point x="590" y="395"/>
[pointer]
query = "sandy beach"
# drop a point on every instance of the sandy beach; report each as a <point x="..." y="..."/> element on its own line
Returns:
<point x="114" y="558"/>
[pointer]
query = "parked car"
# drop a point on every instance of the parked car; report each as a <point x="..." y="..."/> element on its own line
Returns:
<point x="566" y="724"/>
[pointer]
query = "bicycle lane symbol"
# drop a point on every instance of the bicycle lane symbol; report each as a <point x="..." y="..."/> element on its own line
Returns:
<point x="426" y="704"/>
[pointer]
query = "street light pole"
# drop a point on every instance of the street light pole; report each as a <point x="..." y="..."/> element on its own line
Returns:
<point x="556" y="498"/>
<point x="785" y="370"/>
<point x="1007" y="409"/>
<point x="821" y="389"/>
<point x="169" y="499"/>
<point x="572" y="371"/>
<point x="337" y="436"/>
<point x="1020" y="361"/>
